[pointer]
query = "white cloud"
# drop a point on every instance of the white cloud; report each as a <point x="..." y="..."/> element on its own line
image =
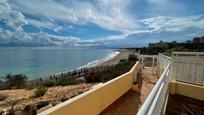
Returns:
<point x="45" y="24"/>
<point x="160" y="24"/>
<point x="14" y="18"/>
<point x="125" y="35"/>
<point x="171" y="24"/>
<point x="47" y="8"/>
<point x="103" y="13"/>
<point x="196" y="34"/>
<point x="4" y="36"/>
<point x="113" y="38"/>
<point x="41" y="39"/>
<point x="159" y="2"/>
<point x="7" y="37"/>
<point x="109" y="14"/>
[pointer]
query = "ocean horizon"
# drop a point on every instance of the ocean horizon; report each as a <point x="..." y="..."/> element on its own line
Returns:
<point x="41" y="62"/>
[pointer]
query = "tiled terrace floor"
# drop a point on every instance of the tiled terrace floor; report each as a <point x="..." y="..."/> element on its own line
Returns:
<point x="131" y="101"/>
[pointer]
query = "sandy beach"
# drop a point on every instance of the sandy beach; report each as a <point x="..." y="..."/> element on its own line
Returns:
<point x="123" y="54"/>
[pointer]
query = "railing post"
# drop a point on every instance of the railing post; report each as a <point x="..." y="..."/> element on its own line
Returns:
<point x="152" y="61"/>
<point x="171" y="71"/>
<point x="150" y="99"/>
<point x="153" y="65"/>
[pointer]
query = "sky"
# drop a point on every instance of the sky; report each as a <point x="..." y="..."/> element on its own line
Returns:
<point x="113" y="23"/>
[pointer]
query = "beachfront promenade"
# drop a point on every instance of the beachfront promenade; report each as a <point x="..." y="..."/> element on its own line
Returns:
<point x="146" y="90"/>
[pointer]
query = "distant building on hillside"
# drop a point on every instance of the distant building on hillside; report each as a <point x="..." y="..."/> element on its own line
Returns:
<point x="202" y="40"/>
<point x="198" y="40"/>
<point x="160" y="44"/>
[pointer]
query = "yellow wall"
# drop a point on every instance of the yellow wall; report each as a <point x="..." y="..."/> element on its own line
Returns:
<point x="97" y="99"/>
<point x="186" y="89"/>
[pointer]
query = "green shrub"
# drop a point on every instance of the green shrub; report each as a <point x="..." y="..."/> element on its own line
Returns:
<point x="15" y="81"/>
<point x="3" y="86"/>
<point x="42" y="104"/>
<point x="30" y="110"/>
<point x="49" y="83"/>
<point x="40" y="91"/>
<point x="12" y="103"/>
<point x="113" y="71"/>
<point x="63" y="81"/>
<point x="3" y="97"/>
<point x="123" y="61"/>
<point x="176" y="49"/>
<point x="132" y="57"/>
<point x="93" y="77"/>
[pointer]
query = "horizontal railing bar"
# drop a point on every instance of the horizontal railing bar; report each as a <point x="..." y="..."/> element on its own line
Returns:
<point x="148" y="102"/>
<point x="156" y="99"/>
<point x="187" y="58"/>
<point x="149" y="56"/>
<point x="195" y="53"/>
<point x="165" y="56"/>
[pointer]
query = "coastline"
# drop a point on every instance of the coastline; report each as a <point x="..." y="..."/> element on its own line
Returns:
<point x="58" y="94"/>
<point x="111" y="59"/>
<point x="34" y="71"/>
<point x="39" y="62"/>
<point x="90" y="64"/>
<point x="123" y="54"/>
<point x="100" y="61"/>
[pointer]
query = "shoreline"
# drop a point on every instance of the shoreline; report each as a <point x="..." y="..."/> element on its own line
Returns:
<point x="90" y="64"/>
<point x="123" y="54"/>
<point x="110" y="59"/>
<point x="58" y="93"/>
<point x="101" y="60"/>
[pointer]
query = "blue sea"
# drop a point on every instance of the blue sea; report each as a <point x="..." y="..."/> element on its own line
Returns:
<point x="42" y="62"/>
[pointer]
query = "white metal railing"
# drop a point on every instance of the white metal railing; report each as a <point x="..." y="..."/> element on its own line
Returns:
<point x="163" y="60"/>
<point x="154" y="103"/>
<point x="190" y="55"/>
<point x="143" y="57"/>
<point x="183" y="66"/>
<point x="189" y="70"/>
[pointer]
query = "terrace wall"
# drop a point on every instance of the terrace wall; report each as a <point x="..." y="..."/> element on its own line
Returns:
<point x="97" y="99"/>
